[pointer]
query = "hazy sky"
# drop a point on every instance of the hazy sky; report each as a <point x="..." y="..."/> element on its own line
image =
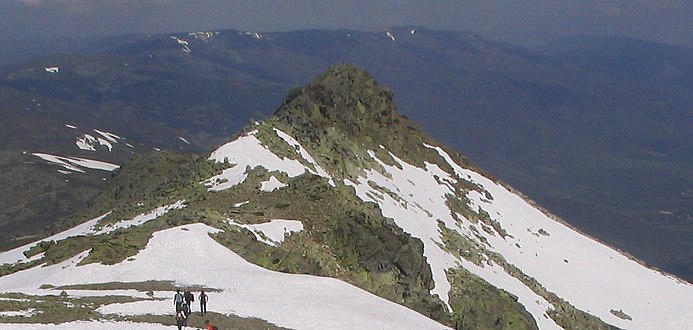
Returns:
<point x="521" y="22"/>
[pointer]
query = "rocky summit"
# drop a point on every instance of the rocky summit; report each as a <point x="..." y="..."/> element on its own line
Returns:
<point x="336" y="212"/>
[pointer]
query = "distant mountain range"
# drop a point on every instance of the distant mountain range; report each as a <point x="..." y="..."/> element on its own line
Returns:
<point x="597" y="130"/>
<point x="335" y="212"/>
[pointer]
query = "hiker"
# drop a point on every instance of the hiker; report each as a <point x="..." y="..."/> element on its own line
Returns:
<point x="178" y="301"/>
<point x="181" y="320"/>
<point x="189" y="298"/>
<point x="203" y="302"/>
<point x="185" y="310"/>
<point x="210" y="326"/>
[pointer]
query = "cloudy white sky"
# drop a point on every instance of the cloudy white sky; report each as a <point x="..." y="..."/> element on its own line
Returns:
<point x="521" y="22"/>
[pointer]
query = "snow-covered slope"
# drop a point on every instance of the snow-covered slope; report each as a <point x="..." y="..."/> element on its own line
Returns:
<point x="188" y="256"/>
<point x="587" y="274"/>
<point x="580" y="270"/>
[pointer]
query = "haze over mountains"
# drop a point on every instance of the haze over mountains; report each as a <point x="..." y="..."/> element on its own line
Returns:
<point x="595" y="130"/>
<point x="335" y="212"/>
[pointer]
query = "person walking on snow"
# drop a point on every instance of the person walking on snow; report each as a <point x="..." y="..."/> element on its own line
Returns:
<point x="189" y="298"/>
<point x="178" y="300"/>
<point x="181" y="320"/>
<point x="203" y="302"/>
<point x="186" y="313"/>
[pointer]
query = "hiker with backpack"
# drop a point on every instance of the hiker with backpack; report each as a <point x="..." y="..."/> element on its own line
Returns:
<point x="186" y="313"/>
<point x="181" y="319"/>
<point x="189" y="298"/>
<point x="178" y="301"/>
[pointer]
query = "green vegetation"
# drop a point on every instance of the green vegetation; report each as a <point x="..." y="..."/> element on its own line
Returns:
<point x="52" y="309"/>
<point x="56" y="309"/>
<point x="220" y="320"/>
<point x="479" y="305"/>
<point x="342" y="114"/>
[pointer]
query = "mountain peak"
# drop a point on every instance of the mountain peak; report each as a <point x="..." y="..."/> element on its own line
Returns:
<point x="344" y="97"/>
<point x="345" y="76"/>
<point x="345" y="112"/>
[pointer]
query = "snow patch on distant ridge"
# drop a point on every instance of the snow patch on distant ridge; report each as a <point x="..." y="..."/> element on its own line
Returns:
<point x="183" y="43"/>
<point x="256" y="35"/>
<point x="77" y="164"/>
<point x="88" y="142"/>
<point x="204" y="36"/>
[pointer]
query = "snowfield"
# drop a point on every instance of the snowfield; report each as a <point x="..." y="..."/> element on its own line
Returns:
<point x="189" y="256"/>
<point x="586" y="273"/>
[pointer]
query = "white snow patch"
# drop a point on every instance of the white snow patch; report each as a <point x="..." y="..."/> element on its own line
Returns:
<point x="240" y="204"/>
<point x="76" y="164"/>
<point x="273" y="232"/>
<point x="108" y="136"/>
<point x="183" y="139"/>
<point x="183" y="43"/>
<point x="105" y="143"/>
<point x="70" y="126"/>
<point x="86" y="142"/>
<point x="305" y="155"/>
<point x="247" y="152"/>
<point x="142" y="218"/>
<point x="52" y="69"/>
<point x="23" y="313"/>
<point x="204" y="36"/>
<point x="256" y="35"/>
<point x="272" y="184"/>
<point x="389" y="35"/>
